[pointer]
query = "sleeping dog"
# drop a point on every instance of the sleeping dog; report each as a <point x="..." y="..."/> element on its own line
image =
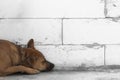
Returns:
<point x="14" y="58"/>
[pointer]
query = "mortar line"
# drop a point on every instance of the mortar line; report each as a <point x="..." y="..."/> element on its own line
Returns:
<point x="105" y="8"/>
<point x="104" y="55"/>
<point x="62" y="31"/>
<point x="68" y="44"/>
<point x="54" y="18"/>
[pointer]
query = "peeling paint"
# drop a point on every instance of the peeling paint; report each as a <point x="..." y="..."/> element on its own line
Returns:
<point x="115" y="19"/>
<point x="46" y="38"/>
<point x="94" y="45"/>
<point x="114" y="5"/>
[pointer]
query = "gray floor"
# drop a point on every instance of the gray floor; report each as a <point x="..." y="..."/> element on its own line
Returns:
<point x="66" y="75"/>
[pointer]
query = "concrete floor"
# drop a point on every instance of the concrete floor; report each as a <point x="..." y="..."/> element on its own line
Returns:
<point x="66" y="75"/>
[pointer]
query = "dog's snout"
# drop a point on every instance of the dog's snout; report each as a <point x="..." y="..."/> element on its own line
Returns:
<point x="49" y="67"/>
<point x="52" y="65"/>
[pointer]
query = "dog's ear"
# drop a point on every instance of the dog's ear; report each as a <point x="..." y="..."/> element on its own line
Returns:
<point x="30" y="44"/>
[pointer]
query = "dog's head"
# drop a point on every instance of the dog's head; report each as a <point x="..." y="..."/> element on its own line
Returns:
<point x="35" y="59"/>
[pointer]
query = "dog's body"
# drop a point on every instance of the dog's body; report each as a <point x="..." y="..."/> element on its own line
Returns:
<point x="14" y="58"/>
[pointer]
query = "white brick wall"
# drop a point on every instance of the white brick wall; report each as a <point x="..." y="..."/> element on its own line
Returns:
<point x="70" y="33"/>
<point x="113" y="8"/>
<point x="44" y="31"/>
<point x="113" y="54"/>
<point x="73" y="55"/>
<point x="88" y="31"/>
<point x="51" y="8"/>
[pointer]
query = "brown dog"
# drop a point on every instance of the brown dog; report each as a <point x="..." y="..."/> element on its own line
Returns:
<point x="14" y="58"/>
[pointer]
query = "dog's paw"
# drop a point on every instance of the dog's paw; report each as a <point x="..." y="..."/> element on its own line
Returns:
<point x="32" y="71"/>
<point x="35" y="71"/>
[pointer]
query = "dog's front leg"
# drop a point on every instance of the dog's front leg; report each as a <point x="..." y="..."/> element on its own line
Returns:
<point x="23" y="69"/>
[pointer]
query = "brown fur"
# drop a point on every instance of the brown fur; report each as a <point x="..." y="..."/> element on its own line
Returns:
<point x="14" y="58"/>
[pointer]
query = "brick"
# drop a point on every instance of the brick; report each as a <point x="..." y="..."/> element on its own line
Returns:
<point x="51" y="8"/>
<point x="73" y="56"/>
<point x="113" y="54"/>
<point x="113" y="8"/>
<point x="44" y="31"/>
<point x="88" y="31"/>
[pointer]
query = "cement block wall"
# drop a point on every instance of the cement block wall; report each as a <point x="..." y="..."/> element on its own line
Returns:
<point x="70" y="33"/>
